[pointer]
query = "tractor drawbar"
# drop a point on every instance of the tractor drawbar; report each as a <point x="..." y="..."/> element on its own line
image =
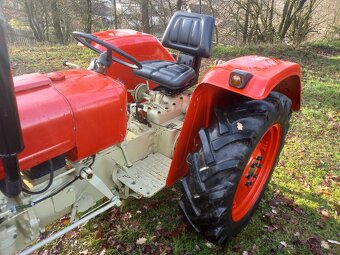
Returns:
<point x="11" y="142"/>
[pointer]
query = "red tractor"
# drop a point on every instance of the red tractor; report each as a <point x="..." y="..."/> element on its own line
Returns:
<point x="132" y="124"/>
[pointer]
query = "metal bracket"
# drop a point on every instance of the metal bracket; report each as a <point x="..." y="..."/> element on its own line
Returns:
<point x="87" y="174"/>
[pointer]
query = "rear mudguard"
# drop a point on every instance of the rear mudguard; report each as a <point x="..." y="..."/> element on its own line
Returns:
<point x="268" y="75"/>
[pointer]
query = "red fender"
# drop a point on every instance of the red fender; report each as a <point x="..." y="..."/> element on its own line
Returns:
<point x="268" y="75"/>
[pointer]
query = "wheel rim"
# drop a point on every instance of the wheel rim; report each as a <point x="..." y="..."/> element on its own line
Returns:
<point x="256" y="172"/>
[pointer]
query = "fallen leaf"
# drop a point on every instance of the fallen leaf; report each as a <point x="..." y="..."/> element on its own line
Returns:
<point x="103" y="251"/>
<point x="297" y="234"/>
<point x="283" y="243"/>
<point x="281" y="163"/>
<point x="333" y="242"/>
<point x="324" y="214"/>
<point x="319" y="162"/>
<point x="85" y="252"/>
<point x="324" y="245"/>
<point x="141" y="241"/>
<point x="99" y="234"/>
<point x="209" y="245"/>
<point x="270" y="229"/>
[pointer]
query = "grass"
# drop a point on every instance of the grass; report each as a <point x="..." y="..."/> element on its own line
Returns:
<point x="299" y="212"/>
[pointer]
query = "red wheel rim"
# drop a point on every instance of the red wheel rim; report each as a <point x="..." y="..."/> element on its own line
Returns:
<point x="256" y="172"/>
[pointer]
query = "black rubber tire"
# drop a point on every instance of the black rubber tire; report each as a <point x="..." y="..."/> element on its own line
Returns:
<point x="216" y="168"/>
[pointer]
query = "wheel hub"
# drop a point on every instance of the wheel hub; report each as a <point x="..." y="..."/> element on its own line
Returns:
<point x="256" y="172"/>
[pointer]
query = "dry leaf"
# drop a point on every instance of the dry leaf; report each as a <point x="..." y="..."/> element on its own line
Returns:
<point x="85" y="252"/>
<point x="283" y="243"/>
<point x="324" y="245"/>
<point x="103" y="251"/>
<point x="333" y="242"/>
<point x="297" y="234"/>
<point x="141" y="241"/>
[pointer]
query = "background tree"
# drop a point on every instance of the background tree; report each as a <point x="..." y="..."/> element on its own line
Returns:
<point x="237" y="21"/>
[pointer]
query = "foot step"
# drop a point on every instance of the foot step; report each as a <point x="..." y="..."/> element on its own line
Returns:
<point x="147" y="176"/>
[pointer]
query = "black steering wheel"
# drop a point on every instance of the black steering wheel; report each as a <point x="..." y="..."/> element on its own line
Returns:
<point x="86" y="40"/>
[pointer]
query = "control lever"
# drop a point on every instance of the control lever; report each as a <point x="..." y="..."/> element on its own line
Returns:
<point x="70" y="64"/>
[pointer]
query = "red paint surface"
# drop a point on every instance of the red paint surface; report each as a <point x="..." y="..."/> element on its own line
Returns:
<point x="139" y="45"/>
<point x="268" y="74"/>
<point x="79" y="115"/>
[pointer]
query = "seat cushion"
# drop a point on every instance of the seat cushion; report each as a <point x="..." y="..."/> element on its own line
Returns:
<point x="167" y="74"/>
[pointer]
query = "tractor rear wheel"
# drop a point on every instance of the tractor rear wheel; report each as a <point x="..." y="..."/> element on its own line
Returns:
<point x="229" y="172"/>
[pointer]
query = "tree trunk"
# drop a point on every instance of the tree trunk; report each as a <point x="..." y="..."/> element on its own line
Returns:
<point x="289" y="13"/>
<point x="88" y="22"/>
<point x="246" y="23"/>
<point x="179" y="5"/>
<point x="30" y="16"/>
<point x="213" y="14"/>
<point x="271" y="27"/>
<point x="115" y="13"/>
<point x="145" y="17"/>
<point x="56" y="21"/>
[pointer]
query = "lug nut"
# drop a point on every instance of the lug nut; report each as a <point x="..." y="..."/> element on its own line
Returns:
<point x="249" y="184"/>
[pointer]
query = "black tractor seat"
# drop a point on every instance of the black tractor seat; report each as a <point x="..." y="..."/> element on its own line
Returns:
<point x="191" y="34"/>
<point x="170" y="75"/>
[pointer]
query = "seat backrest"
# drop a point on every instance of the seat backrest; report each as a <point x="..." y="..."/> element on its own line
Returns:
<point x="191" y="33"/>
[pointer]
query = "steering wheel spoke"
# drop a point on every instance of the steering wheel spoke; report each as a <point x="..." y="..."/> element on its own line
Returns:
<point x="86" y="40"/>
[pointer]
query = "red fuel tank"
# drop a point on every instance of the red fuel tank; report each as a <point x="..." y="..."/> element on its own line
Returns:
<point x="76" y="112"/>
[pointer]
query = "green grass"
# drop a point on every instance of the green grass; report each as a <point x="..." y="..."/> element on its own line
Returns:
<point x="301" y="205"/>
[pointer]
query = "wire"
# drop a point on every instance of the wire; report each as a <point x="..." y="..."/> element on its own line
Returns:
<point x="48" y="185"/>
<point x="93" y="160"/>
<point x="55" y="192"/>
<point x="33" y="203"/>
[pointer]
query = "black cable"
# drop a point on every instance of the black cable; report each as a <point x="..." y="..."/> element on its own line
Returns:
<point x="33" y="203"/>
<point x="55" y="192"/>
<point x="48" y="185"/>
<point x="93" y="160"/>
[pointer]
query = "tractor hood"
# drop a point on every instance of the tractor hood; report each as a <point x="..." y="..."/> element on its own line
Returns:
<point x="75" y="112"/>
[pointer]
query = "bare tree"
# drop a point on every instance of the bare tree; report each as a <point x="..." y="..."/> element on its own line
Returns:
<point x="179" y="5"/>
<point x="37" y="16"/>
<point x="145" y="16"/>
<point x="88" y="16"/>
<point x="56" y="21"/>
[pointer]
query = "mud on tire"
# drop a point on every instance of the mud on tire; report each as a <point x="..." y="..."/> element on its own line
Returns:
<point x="218" y="167"/>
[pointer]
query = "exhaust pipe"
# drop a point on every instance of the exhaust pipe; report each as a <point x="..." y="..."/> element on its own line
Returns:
<point x="11" y="142"/>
